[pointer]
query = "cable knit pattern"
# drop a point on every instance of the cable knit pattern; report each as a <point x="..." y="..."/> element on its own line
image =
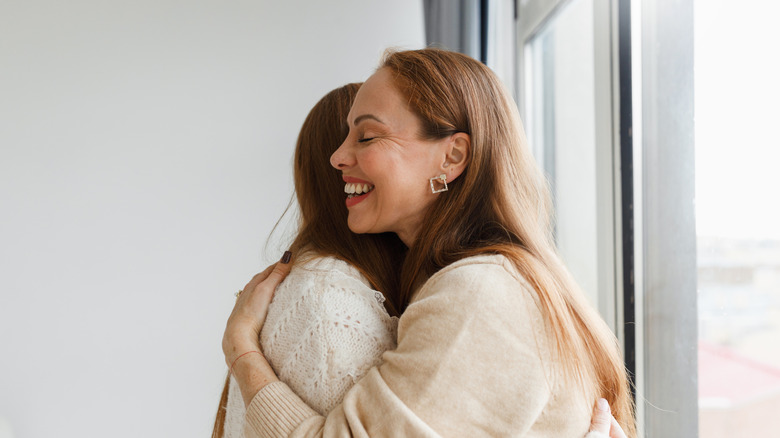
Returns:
<point x="325" y="329"/>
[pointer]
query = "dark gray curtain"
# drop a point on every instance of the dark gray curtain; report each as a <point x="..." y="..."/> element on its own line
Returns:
<point x="454" y="25"/>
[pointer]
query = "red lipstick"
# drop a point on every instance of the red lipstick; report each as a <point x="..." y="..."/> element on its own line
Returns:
<point x="356" y="199"/>
<point x="350" y="179"/>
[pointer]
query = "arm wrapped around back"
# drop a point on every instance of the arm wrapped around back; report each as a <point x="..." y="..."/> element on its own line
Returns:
<point x="473" y="359"/>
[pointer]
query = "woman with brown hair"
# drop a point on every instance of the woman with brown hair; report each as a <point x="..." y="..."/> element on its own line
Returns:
<point x="494" y="337"/>
<point x="329" y="307"/>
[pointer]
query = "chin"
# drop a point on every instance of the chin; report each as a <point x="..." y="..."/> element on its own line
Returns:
<point x="356" y="227"/>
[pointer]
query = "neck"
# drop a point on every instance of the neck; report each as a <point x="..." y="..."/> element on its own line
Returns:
<point x="408" y="233"/>
<point x="408" y="236"/>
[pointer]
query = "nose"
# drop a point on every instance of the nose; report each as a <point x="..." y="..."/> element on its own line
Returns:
<point x="343" y="157"/>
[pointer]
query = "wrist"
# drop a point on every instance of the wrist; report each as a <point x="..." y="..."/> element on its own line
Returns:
<point x="236" y="342"/>
<point x="233" y="363"/>
<point x="252" y="373"/>
<point x="234" y="351"/>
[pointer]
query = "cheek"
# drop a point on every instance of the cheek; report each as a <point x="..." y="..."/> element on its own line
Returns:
<point x="376" y="165"/>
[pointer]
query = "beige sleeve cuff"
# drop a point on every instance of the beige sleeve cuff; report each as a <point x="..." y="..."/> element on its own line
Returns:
<point x="276" y="411"/>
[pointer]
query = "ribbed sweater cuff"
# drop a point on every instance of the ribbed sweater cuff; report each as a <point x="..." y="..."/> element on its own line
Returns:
<point x="276" y="411"/>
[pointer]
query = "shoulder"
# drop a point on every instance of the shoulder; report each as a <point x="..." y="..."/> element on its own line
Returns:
<point x="494" y="275"/>
<point x="325" y="282"/>
<point x="485" y="293"/>
<point x="318" y="292"/>
<point x="481" y="292"/>
<point x="315" y="274"/>
<point x="326" y="266"/>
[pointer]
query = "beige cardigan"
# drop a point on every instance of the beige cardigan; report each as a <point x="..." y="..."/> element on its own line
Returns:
<point x="472" y="360"/>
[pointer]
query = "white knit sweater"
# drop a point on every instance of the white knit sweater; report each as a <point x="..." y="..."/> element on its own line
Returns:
<point x="325" y="328"/>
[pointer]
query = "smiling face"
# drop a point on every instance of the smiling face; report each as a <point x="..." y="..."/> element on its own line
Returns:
<point x="384" y="155"/>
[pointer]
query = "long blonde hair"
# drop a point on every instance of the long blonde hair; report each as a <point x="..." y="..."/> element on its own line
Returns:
<point x="322" y="228"/>
<point x="501" y="205"/>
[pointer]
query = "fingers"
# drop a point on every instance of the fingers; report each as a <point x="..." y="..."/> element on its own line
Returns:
<point x="248" y="315"/>
<point x="602" y="418"/>
<point x="616" y="431"/>
<point x="259" y="288"/>
<point x="259" y="277"/>
<point x="272" y="276"/>
<point x="280" y="270"/>
<point x="604" y="422"/>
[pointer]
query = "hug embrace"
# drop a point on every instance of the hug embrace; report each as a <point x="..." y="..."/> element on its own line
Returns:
<point x="429" y="299"/>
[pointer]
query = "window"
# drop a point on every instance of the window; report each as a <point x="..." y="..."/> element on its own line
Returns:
<point x="609" y="108"/>
<point x="566" y="101"/>
<point x="737" y="217"/>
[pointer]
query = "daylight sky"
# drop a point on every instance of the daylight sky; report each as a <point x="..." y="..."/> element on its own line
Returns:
<point x="737" y="105"/>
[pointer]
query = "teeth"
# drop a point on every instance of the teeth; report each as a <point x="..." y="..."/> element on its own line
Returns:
<point x="357" y="189"/>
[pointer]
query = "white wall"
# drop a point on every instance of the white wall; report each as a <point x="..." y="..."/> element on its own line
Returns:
<point x="145" y="154"/>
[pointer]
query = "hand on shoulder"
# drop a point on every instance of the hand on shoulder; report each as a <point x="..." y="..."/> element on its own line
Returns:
<point x="603" y="424"/>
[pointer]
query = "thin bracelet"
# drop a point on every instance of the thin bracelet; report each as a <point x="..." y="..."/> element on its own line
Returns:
<point x="239" y="357"/>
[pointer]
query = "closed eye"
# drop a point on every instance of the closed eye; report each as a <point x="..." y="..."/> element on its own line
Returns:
<point x="365" y="140"/>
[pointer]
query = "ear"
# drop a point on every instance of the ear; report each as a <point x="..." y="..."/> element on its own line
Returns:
<point x="457" y="153"/>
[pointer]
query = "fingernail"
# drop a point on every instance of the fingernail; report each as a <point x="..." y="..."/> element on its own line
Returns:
<point x="286" y="257"/>
<point x="603" y="405"/>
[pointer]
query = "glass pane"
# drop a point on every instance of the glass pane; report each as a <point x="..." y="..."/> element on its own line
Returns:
<point x="738" y="217"/>
<point x="562" y="132"/>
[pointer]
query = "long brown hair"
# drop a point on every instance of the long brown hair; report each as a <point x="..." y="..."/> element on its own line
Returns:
<point x="501" y="204"/>
<point x="323" y="228"/>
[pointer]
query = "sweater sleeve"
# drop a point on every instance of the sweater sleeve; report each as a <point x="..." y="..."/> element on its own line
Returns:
<point x="469" y="362"/>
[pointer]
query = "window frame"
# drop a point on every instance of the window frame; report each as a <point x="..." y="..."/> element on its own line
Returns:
<point x="533" y="15"/>
<point x="664" y="217"/>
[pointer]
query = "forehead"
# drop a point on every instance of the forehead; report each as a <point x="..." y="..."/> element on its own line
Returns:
<point x="378" y="95"/>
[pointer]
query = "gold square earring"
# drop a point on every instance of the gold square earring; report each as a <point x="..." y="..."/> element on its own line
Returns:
<point x="443" y="180"/>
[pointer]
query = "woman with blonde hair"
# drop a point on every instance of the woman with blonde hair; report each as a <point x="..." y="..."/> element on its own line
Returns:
<point x="494" y="337"/>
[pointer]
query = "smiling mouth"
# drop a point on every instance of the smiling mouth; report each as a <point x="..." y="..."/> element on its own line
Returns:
<point x="357" y="189"/>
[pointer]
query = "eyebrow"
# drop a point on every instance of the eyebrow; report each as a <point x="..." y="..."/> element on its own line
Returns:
<point x="360" y="118"/>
